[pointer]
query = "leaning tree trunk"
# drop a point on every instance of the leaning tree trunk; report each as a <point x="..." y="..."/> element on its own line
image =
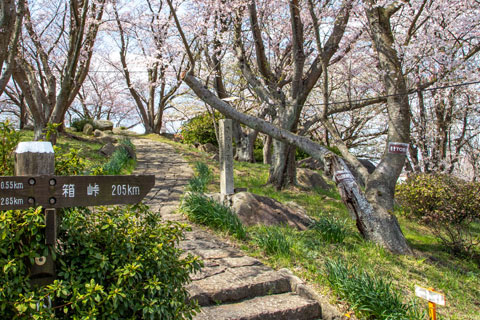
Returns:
<point x="375" y="223"/>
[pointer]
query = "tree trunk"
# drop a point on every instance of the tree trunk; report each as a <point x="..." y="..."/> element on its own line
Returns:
<point x="244" y="143"/>
<point x="267" y="149"/>
<point x="283" y="168"/>
<point x="374" y="222"/>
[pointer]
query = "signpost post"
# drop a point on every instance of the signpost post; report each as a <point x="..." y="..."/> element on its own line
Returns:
<point x="433" y="299"/>
<point x="36" y="185"/>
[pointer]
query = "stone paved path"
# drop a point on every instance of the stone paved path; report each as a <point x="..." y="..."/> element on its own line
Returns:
<point x="231" y="285"/>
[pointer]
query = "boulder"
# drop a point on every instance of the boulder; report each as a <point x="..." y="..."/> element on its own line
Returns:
<point x="88" y="129"/>
<point x="103" y="125"/>
<point x="108" y="149"/>
<point x="253" y="209"/>
<point x="208" y="147"/>
<point x="97" y="133"/>
<point x="310" y="179"/>
<point x="310" y="163"/>
<point x="107" y="139"/>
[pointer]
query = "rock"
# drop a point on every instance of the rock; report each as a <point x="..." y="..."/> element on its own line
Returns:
<point x="311" y="179"/>
<point x="253" y="209"/>
<point x="103" y="125"/>
<point x="88" y="129"/>
<point x="108" y="149"/>
<point x="97" y="133"/>
<point x="208" y="147"/>
<point x="310" y="163"/>
<point x="107" y="139"/>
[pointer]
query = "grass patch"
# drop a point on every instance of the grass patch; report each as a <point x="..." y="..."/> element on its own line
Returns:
<point x="206" y="211"/>
<point x="121" y="160"/>
<point x="273" y="240"/>
<point x="200" y="181"/>
<point x="371" y="297"/>
<point x="203" y="210"/>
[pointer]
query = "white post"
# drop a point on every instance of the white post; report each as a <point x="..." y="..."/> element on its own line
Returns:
<point x="226" y="157"/>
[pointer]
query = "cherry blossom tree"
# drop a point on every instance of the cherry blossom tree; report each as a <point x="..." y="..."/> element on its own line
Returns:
<point x="11" y="18"/>
<point x="143" y="33"/>
<point x="55" y="56"/>
<point x="394" y="46"/>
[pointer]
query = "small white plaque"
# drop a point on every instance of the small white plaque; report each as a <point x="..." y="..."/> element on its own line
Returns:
<point x="430" y="295"/>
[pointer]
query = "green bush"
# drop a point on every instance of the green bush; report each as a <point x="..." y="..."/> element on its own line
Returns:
<point x="447" y="205"/>
<point x="369" y="296"/>
<point x="200" y="129"/>
<point x="79" y="123"/>
<point x="112" y="263"/>
<point x="9" y="138"/>
<point x="69" y="163"/>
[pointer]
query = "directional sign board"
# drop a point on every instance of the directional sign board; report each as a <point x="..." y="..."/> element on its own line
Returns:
<point x="430" y="295"/>
<point x="72" y="191"/>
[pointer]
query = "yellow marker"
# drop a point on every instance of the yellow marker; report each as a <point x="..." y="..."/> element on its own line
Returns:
<point x="433" y="297"/>
<point x="432" y="310"/>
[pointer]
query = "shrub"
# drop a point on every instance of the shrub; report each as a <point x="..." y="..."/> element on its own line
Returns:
<point x="79" y="123"/>
<point x="68" y="164"/>
<point x="370" y="297"/>
<point x="200" y="129"/>
<point x="9" y="138"/>
<point x="112" y="263"/>
<point x="203" y="210"/>
<point x="446" y="204"/>
<point x="273" y="240"/>
<point x="330" y="230"/>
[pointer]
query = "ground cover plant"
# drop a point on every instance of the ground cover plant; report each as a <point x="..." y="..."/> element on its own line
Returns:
<point x="121" y="160"/>
<point x="432" y="265"/>
<point x="204" y="210"/>
<point x="105" y="257"/>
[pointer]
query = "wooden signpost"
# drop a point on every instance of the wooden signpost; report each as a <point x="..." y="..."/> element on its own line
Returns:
<point x="36" y="185"/>
<point x="433" y="297"/>
<point x="72" y="191"/>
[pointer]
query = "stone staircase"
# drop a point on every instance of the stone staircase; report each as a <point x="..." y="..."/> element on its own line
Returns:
<point x="230" y="285"/>
<point x="234" y="286"/>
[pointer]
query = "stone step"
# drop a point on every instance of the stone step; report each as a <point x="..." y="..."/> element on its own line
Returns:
<point x="235" y="284"/>
<point x="286" y="306"/>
